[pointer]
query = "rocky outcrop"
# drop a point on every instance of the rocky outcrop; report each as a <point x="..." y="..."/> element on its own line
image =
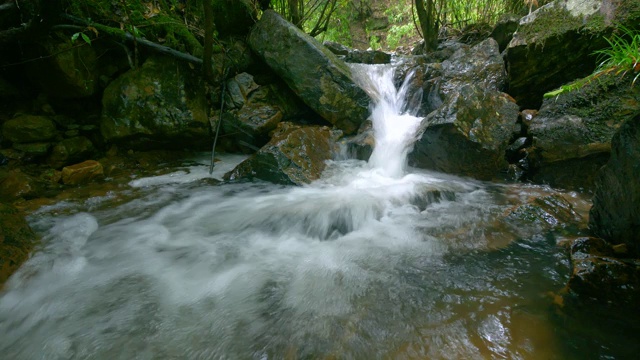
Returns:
<point x="571" y="135"/>
<point x="16" y="241"/>
<point x="553" y="45"/>
<point x="615" y="215"/>
<point x="156" y="106"/>
<point x="253" y="111"/>
<point x="314" y="73"/>
<point x="295" y="155"/>
<point x="472" y="124"/>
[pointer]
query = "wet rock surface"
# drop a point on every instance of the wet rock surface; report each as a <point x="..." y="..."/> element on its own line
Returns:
<point x="615" y="215"/>
<point x="468" y="135"/>
<point x="314" y="73"/>
<point x="600" y="273"/>
<point x="470" y="122"/>
<point x="16" y="241"/>
<point x="295" y="155"/>
<point x="571" y="134"/>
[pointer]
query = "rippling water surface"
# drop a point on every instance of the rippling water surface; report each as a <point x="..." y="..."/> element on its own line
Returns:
<point x="373" y="261"/>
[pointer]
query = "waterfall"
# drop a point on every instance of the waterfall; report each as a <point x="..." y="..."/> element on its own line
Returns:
<point x="394" y="124"/>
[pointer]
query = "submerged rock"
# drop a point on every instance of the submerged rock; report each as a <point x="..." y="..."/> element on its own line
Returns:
<point x="314" y="73"/>
<point x="599" y="274"/>
<point x="16" y="241"/>
<point x="295" y="155"/>
<point x="571" y="135"/>
<point x="156" y="106"/>
<point x="615" y="215"/>
<point x="544" y="212"/>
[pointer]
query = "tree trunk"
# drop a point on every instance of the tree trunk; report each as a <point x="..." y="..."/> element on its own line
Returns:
<point x="429" y="24"/>
<point x="209" y="28"/>
<point x="294" y="12"/>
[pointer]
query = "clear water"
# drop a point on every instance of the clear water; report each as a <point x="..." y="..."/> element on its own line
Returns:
<point x="373" y="261"/>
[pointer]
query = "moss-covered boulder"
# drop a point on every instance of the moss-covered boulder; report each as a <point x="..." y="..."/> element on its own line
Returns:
<point x="615" y="215"/>
<point x="157" y="106"/>
<point x="29" y="129"/>
<point x="295" y="155"/>
<point x="16" y="241"/>
<point x="314" y="73"/>
<point x="571" y="135"/>
<point x="468" y="135"/>
<point x="553" y="45"/>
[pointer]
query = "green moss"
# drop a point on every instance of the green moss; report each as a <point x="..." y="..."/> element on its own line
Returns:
<point x="554" y="21"/>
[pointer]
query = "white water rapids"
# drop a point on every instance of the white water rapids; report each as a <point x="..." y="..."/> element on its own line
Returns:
<point x="369" y="262"/>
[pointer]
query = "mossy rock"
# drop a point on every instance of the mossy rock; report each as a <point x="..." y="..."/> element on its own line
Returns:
<point x="159" y="105"/>
<point x="16" y="241"/>
<point x="29" y="129"/>
<point x="314" y="73"/>
<point x="571" y="135"/>
<point x="554" y="45"/>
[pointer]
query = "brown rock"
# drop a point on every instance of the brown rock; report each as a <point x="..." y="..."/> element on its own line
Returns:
<point x="82" y="173"/>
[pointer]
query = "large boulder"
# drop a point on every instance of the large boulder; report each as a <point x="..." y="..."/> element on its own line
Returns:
<point x="571" y="135"/>
<point x="315" y="74"/>
<point x="253" y="111"/>
<point x="159" y="105"/>
<point x="553" y="45"/>
<point x="16" y="241"/>
<point x="615" y="215"/>
<point x="295" y="155"/>
<point x="29" y="129"/>
<point x="470" y="128"/>
<point x="468" y="135"/>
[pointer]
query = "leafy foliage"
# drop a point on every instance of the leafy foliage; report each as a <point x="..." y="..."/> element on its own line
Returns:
<point x="623" y="55"/>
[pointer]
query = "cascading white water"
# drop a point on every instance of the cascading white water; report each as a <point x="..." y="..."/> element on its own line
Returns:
<point x="394" y="125"/>
<point x="361" y="264"/>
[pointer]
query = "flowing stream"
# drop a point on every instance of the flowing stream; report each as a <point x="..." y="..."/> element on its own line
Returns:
<point x="373" y="261"/>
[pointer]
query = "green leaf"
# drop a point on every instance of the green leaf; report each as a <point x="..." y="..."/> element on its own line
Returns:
<point x="86" y="39"/>
<point x="74" y="37"/>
